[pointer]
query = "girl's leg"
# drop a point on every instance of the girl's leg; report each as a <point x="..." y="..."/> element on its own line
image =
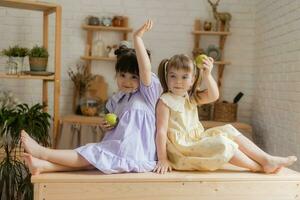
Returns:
<point x="241" y="160"/>
<point x="37" y="166"/>
<point x="67" y="158"/>
<point x="270" y="164"/>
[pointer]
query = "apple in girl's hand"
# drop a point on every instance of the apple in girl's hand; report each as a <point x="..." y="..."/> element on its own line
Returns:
<point x="111" y="118"/>
<point x="199" y="60"/>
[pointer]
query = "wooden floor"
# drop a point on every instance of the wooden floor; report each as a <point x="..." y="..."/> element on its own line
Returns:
<point x="233" y="184"/>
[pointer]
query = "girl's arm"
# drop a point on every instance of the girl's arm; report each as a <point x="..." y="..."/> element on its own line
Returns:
<point x="211" y="94"/>
<point x="141" y="53"/>
<point x="162" y="118"/>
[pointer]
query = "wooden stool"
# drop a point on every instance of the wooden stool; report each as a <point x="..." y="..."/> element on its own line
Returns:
<point x="244" y="128"/>
<point x="77" y="121"/>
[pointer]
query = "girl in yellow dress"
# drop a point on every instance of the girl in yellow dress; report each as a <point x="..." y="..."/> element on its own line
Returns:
<point x="181" y="141"/>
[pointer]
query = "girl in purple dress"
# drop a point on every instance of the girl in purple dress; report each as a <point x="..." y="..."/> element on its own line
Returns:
<point x="130" y="145"/>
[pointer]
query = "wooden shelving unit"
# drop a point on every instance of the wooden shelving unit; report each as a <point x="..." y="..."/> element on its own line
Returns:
<point x="84" y="120"/>
<point x="89" y="41"/>
<point x="198" y="32"/>
<point x="47" y="9"/>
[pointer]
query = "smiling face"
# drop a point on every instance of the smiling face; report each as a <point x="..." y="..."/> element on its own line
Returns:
<point x="179" y="81"/>
<point x="127" y="82"/>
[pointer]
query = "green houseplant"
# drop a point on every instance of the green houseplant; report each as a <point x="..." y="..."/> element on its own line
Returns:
<point x="16" y="56"/>
<point x="14" y="175"/>
<point x="38" y="58"/>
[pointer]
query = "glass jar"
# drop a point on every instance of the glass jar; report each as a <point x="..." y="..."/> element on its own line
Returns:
<point x="89" y="106"/>
<point x="117" y="21"/>
<point x="98" y="48"/>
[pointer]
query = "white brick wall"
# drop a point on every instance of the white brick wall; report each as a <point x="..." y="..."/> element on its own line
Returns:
<point x="171" y="34"/>
<point x="276" y="105"/>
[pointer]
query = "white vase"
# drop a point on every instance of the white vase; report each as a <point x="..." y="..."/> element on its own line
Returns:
<point x="18" y="62"/>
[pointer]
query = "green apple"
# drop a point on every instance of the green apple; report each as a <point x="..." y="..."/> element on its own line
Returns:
<point x="111" y="118"/>
<point x="199" y="60"/>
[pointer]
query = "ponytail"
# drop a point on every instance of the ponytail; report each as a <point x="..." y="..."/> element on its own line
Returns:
<point x="198" y="79"/>
<point x="162" y="74"/>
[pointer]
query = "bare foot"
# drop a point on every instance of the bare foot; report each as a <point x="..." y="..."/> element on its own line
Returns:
<point x="257" y="169"/>
<point x="35" y="165"/>
<point x="30" y="145"/>
<point x="275" y="164"/>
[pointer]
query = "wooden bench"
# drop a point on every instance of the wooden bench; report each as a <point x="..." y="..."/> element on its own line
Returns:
<point x="232" y="184"/>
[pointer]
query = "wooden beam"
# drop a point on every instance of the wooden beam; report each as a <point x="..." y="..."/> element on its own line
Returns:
<point x="45" y="29"/>
<point x="57" y="62"/>
<point x="29" y="5"/>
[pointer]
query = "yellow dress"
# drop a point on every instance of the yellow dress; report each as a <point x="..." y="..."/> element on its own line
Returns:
<point x="189" y="147"/>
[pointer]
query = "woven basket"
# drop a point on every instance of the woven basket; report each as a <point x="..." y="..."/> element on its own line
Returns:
<point x="16" y="152"/>
<point x="204" y="112"/>
<point x="225" y="112"/>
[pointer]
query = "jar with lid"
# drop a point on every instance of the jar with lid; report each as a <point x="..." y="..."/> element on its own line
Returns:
<point x="117" y="21"/>
<point x="89" y="106"/>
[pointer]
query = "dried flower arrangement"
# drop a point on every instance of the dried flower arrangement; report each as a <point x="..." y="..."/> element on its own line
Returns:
<point x="81" y="78"/>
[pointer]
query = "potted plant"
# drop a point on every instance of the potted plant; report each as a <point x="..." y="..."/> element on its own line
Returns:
<point x="16" y="56"/>
<point x="14" y="175"/>
<point x="38" y="58"/>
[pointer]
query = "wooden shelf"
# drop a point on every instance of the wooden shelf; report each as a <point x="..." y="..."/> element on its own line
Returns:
<point x="25" y="76"/>
<point x="222" y="63"/>
<point x="81" y="119"/>
<point x="29" y="5"/>
<point x="98" y="58"/>
<point x="47" y="9"/>
<point x="211" y="33"/>
<point x="106" y="28"/>
<point x="222" y="35"/>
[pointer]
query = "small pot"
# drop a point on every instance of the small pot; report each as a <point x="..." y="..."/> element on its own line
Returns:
<point x="207" y="26"/>
<point x="94" y="21"/>
<point x="17" y="63"/>
<point x="38" y="64"/>
<point x="117" y="21"/>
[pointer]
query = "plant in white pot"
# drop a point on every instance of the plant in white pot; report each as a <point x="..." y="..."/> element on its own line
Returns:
<point x="16" y="56"/>
<point x="38" y="58"/>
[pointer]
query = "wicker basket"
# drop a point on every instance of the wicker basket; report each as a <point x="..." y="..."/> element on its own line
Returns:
<point x="225" y="112"/>
<point x="204" y="112"/>
<point x="17" y="152"/>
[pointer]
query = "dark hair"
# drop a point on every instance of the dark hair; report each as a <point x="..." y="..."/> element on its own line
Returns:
<point x="180" y="61"/>
<point x="127" y="60"/>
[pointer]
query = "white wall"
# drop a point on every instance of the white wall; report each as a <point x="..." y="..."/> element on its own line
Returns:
<point x="174" y="21"/>
<point x="276" y="105"/>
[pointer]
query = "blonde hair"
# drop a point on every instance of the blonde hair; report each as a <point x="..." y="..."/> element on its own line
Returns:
<point x="180" y="61"/>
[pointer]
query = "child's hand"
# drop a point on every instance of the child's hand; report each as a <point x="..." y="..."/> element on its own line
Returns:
<point x="208" y="64"/>
<point x="105" y="126"/>
<point x="162" y="167"/>
<point x="146" y="27"/>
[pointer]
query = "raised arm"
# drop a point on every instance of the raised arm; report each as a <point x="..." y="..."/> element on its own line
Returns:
<point x="211" y="94"/>
<point x="142" y="56"/>
<point x="162" y="118"/>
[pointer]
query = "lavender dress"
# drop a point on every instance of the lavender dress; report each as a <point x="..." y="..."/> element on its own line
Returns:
<point x="130" y="146"/>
